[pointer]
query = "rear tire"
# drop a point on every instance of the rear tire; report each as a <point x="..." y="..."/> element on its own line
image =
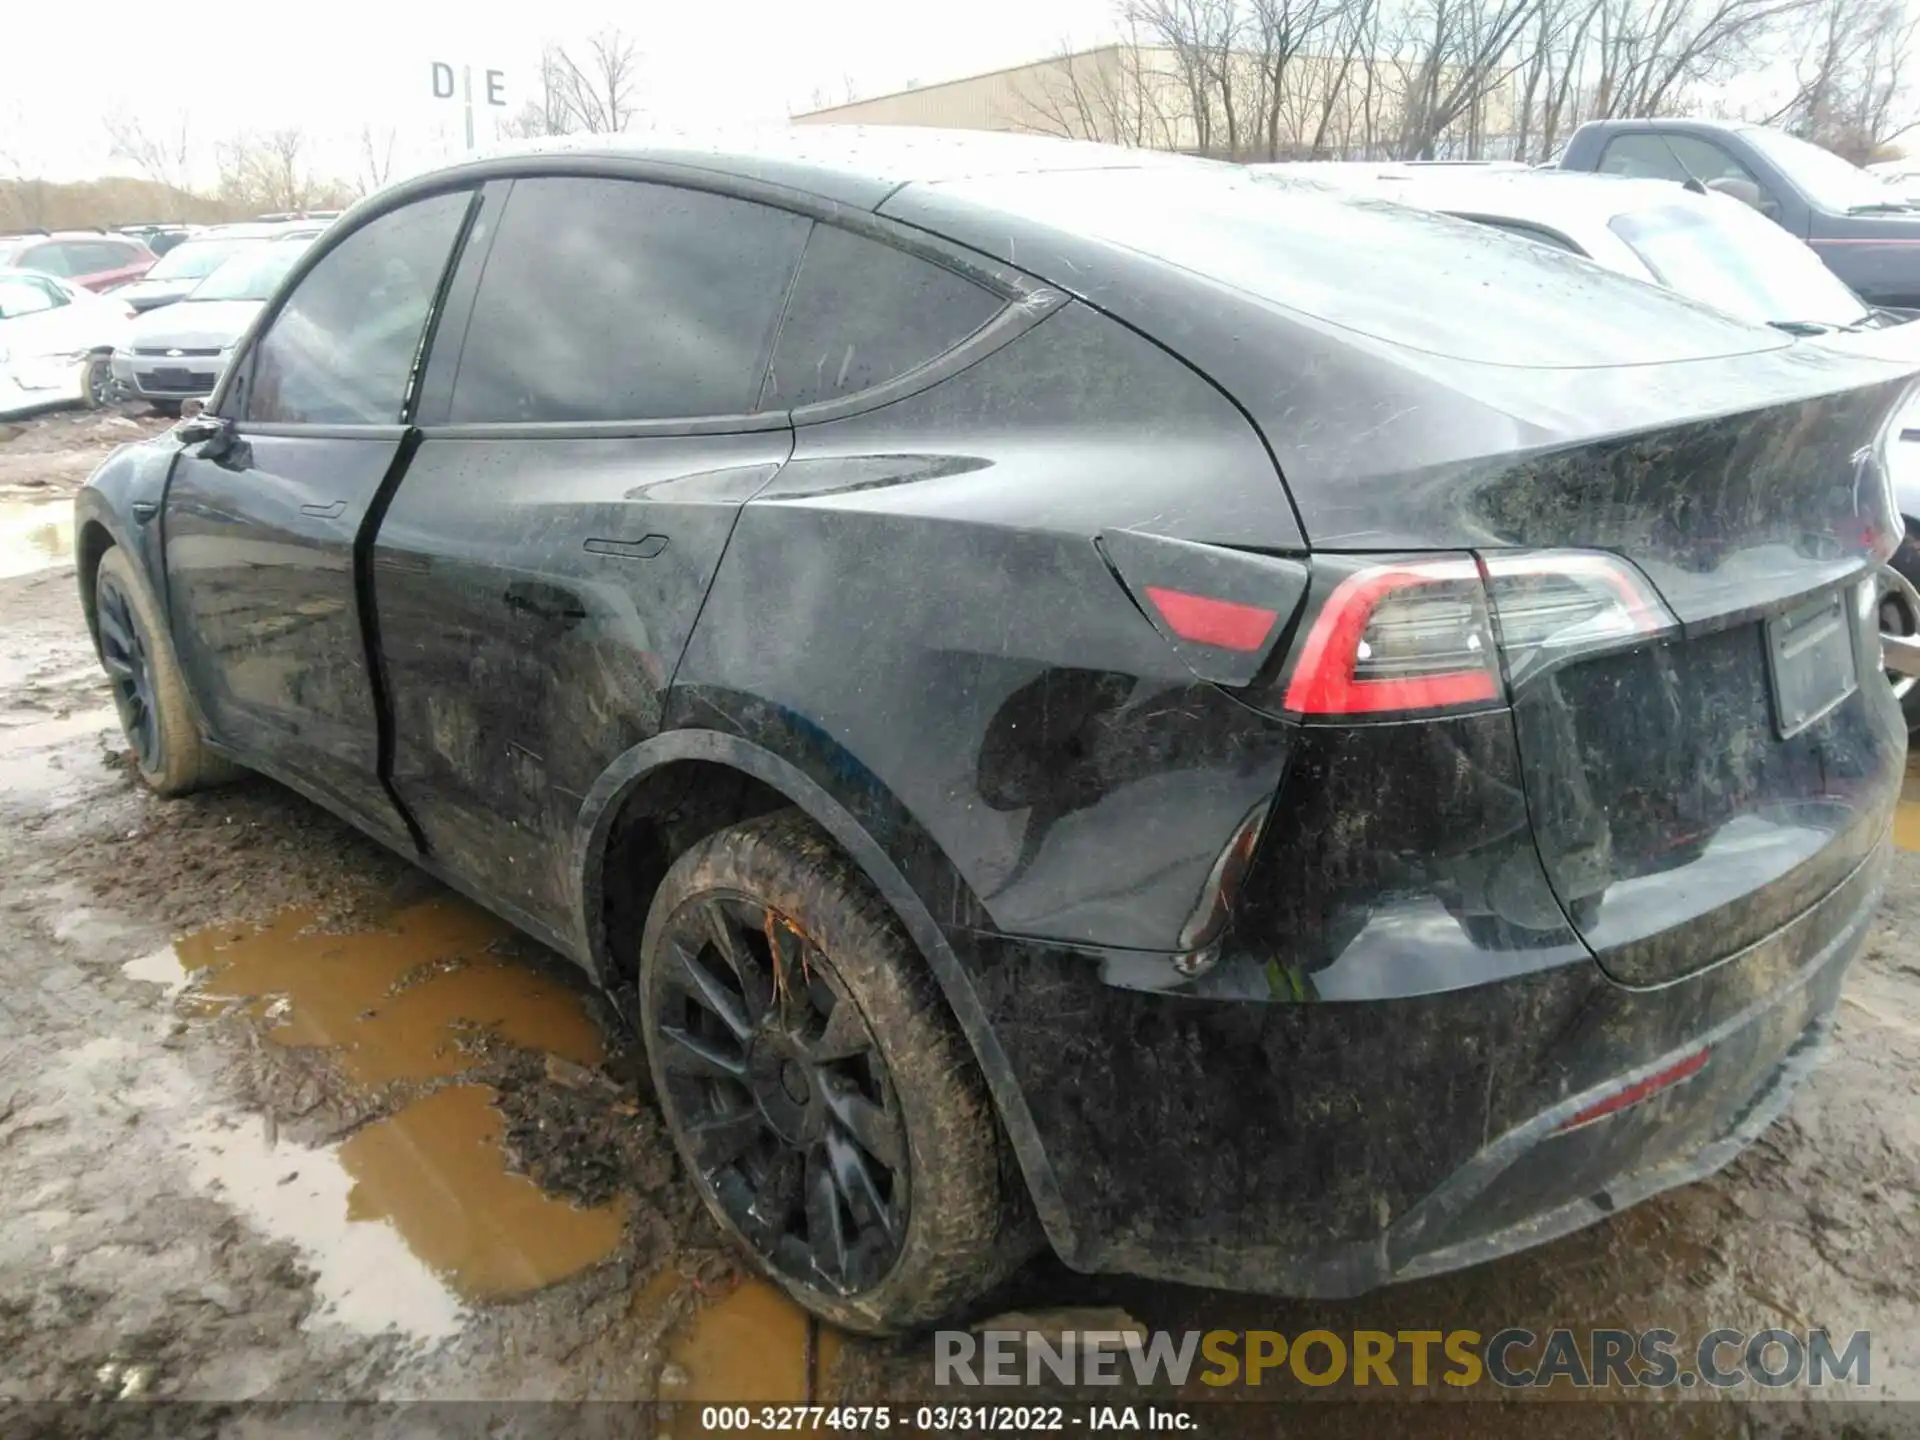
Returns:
<point x="851" y="1152"/>
<point x="148" y="689"/>
<point x="1897" y="618"/>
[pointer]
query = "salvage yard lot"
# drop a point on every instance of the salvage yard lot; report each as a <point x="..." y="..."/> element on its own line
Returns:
<point x="280" y="1116"/>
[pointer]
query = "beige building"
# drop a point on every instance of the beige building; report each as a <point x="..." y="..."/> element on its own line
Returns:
<point x="1151" y="96"/>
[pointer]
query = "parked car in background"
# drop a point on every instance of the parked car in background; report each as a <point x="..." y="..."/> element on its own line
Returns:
<point x="183" y="268"/>
<point x="55" y="339"/>
<point x="1710" y="247"/>
<point x="159" y="238"/>
<point x="93" y="259"/>
<point x="1050" y="680"/>
<point x="1867" y="233"/>
<point x="177" y="352"/>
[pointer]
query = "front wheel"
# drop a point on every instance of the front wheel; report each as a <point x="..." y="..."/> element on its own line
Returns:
<point x="818" y="1090"/>
<point x="148" y="689"/>
<point x="97" y="386"/>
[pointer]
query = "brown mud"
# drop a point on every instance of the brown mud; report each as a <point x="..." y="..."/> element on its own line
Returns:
<point x="281" y="1117"/>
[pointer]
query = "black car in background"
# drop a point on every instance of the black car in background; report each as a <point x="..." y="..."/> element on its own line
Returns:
<point x="1866" y="231"/>
<point x="1051" y="682"/>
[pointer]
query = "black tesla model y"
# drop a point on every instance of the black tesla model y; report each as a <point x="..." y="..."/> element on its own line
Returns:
<point x="1269" y="739"/>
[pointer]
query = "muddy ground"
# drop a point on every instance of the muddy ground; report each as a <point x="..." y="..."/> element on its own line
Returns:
<point x="280" y="1117"/>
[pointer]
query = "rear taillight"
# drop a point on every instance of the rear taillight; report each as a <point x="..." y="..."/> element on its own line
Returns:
<point x="1550" y="604"/>
<point x="1409" y="635"/>
<point x="1418" y="634"/>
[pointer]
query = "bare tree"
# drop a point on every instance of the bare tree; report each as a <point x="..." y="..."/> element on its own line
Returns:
<point x="376" y="156"/>
<point x="547" y="112"/>
<point x="1852" y="92"/>
<point x="270" y="172"/>
<point x="1112" y="94"/>
<point x="597" y="87"/>
<point x="162" y="153"/>
<point x="1450" y="55"/>
<point x="1201" y="39"/>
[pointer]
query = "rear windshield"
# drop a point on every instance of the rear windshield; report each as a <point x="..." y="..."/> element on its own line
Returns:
<point x="196" y="259"/>
<point x="1724" y="253"/>
<point x="1411" y="278"/>
<point x="253" y="273"/>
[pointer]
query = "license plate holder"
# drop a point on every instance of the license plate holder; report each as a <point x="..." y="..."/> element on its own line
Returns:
<point x="1811" y="662"/>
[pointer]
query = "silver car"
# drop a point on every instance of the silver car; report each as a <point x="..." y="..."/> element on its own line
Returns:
<point x="177" y="352"/>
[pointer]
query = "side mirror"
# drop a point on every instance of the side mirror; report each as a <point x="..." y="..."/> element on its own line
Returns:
<point x="213" y="435"/>
<point x="1746" y="192"/>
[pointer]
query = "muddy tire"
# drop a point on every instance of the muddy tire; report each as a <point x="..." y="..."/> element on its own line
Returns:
<point x="820" y="1094"/>
<point x="148" y="690"/>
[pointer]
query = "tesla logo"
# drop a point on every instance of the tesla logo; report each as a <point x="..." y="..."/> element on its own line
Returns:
<point x="175" y="354"/>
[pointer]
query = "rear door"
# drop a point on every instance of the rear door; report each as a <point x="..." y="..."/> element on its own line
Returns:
<point x="260" y="527"/>
<point x="583" y="456"/>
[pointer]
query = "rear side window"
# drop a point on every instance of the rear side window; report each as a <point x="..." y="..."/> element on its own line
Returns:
<point x="341" y="350"/>
<point x="48" y="259"/>
<point x="862" y="313"/>
<point x="622" y="300"/>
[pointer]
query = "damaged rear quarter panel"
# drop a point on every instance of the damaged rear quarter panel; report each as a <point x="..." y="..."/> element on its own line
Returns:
<point x="916" y="608"/>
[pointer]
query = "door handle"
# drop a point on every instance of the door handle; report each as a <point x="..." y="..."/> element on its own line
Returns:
<point x="144" y="510"/>
<point x="325" y="512"/>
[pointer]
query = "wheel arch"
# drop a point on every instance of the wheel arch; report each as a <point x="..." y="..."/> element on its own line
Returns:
<point x="770" y="780"/>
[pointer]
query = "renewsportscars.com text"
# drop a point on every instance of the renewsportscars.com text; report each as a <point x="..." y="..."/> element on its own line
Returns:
<point x="1511" y="1358"/>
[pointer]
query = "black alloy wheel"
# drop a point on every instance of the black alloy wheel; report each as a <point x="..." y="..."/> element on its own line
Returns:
<point x="779" y="1093"/>
<point x="129" y="666"/>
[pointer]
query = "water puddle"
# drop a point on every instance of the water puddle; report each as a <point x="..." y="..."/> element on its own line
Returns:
<point x="28" y="766"/>
<point x="437" y="1174"/>
<point x="368" y="1276"/>
<point x="34" y="535"/>
<point x="751" y="1344"/>
<point x="417" y="1213"/>
<point x="1906" y="819"/>
<point x="394" y="1002"/>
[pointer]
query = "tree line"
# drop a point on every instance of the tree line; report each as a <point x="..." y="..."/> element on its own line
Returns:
<point x="1506" y="79"/>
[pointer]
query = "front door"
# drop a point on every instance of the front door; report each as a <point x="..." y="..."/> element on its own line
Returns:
<point x="262" y="524"/>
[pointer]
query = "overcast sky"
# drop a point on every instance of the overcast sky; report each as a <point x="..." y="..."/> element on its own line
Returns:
<point x="330" y="65"/>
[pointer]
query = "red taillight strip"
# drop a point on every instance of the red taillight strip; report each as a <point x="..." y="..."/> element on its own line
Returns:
<point x="1641" y="1090"/>
<point x="1206" y="621"/>
<point x="1323" y="682"/>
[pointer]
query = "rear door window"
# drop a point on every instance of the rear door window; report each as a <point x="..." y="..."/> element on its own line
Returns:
<point x="341" y="350"/>
<point x="862" y="313"/>
<point x="612" y="300"/>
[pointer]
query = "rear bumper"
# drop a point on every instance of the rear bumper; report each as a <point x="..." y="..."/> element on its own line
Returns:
<point x="1326" y="1149"/>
